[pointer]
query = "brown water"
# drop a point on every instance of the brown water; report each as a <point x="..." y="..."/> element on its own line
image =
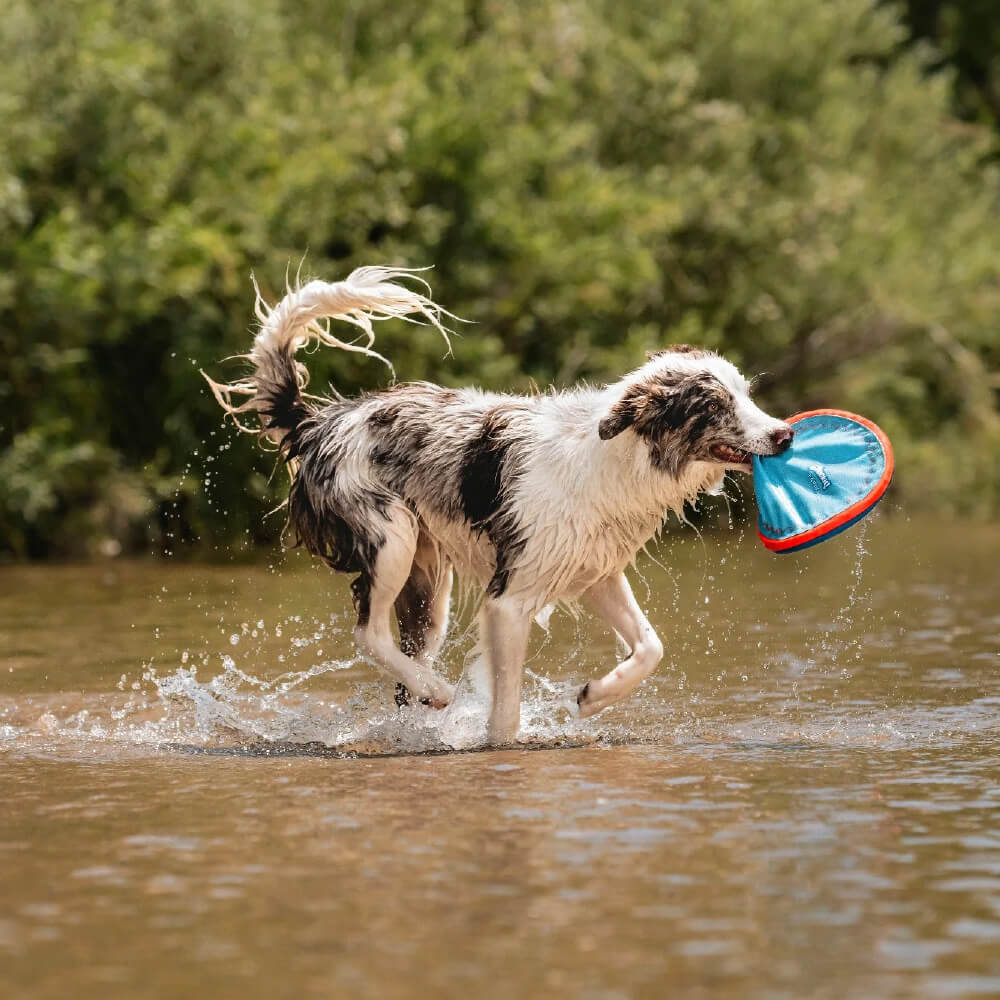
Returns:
<point x="203" y="792"/>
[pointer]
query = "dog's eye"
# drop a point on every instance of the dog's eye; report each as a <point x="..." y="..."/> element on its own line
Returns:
<point x="713" y="407"/>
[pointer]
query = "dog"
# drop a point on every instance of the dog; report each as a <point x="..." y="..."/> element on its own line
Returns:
<point x="534" y="499"/>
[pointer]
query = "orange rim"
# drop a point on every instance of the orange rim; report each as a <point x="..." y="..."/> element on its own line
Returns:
<point x="856" y="509"/>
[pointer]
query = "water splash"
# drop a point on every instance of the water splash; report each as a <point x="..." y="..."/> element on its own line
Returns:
<point x="842" y="641"/>
<point x="227" y="699"/>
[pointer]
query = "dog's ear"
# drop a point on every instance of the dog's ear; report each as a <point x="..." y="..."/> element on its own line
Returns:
<point x="652" y="408"/>
<point x="620" y="417"/>
<point x="629" y="410"/>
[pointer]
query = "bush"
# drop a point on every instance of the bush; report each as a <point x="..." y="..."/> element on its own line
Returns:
<point x="590" y="179"/>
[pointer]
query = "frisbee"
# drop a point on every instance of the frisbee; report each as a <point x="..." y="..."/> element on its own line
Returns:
<point x="837" y="469"/>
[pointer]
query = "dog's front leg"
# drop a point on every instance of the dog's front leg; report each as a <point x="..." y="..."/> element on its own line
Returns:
<point x="614" y="601"/>
<point x="504" y="629"/>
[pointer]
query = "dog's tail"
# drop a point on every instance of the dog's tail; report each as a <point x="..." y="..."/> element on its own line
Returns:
<point x="274" y="388"/>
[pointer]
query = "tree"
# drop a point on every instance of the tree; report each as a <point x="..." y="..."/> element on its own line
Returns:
<point x="966" y="35"/>
<point x="590" y="180"/>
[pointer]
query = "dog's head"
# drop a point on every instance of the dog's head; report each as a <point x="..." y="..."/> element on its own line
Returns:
<point x="691" y="405"/>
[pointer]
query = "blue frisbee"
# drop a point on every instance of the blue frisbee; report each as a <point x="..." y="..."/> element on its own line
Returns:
<point x="837" y="469"/>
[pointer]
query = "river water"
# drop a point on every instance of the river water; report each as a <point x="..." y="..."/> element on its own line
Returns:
<point x="203" y="792"/>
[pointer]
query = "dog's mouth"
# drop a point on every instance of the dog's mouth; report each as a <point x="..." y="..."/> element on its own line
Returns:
<point x="728" y="455"/>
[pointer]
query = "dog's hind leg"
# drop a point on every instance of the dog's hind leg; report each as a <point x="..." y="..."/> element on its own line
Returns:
<point x="422" y="609"/>
<point x="440" y="608"/>
<point x="614" y="601"/>
<point x="504" y="632"/>
<point x="377" y="592"/>
<point x="423" y="604"/>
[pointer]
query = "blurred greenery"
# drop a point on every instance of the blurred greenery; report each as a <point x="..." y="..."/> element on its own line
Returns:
<point x="967" y="36"/>
<point x="788" y="182"/>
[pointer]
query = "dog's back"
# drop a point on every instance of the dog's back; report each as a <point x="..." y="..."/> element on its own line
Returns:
<point x="446" y="455"/>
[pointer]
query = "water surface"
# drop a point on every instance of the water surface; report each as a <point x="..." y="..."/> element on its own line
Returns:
<point x="204" y="792"/>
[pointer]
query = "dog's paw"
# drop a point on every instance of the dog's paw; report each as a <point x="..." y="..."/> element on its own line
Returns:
<point x="584" y="707"/>
<point x="437" y="703"/>
<point x="587" y="704"/>
<point x="440" y="696"/>
<point x="442" y="699"/>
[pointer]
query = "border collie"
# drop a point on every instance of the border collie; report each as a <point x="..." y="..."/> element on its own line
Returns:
<point x="536" y="499"/>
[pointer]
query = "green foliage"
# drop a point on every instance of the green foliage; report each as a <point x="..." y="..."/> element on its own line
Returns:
<point x="967" y="36"/>
<point x="590" y="179"/>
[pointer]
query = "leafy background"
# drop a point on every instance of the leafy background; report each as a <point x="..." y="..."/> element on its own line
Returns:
<point x="810" y="186"/>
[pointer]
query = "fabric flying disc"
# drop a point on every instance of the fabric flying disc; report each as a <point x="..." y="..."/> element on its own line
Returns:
<point x="838" y="467"/>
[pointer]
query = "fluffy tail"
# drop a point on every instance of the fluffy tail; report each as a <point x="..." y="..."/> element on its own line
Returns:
<point x="274" y="388"/>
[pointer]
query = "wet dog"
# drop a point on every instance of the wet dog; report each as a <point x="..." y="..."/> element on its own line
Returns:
<point x="537" y="499"/>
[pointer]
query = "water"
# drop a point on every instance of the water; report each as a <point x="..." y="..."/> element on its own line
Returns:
<point x="203" y="792"/>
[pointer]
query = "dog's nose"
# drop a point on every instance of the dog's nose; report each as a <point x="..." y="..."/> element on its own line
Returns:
<point x="782" y="438"/>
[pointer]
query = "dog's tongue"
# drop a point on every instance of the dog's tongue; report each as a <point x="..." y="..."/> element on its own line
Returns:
<point x="836" y="470"/>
